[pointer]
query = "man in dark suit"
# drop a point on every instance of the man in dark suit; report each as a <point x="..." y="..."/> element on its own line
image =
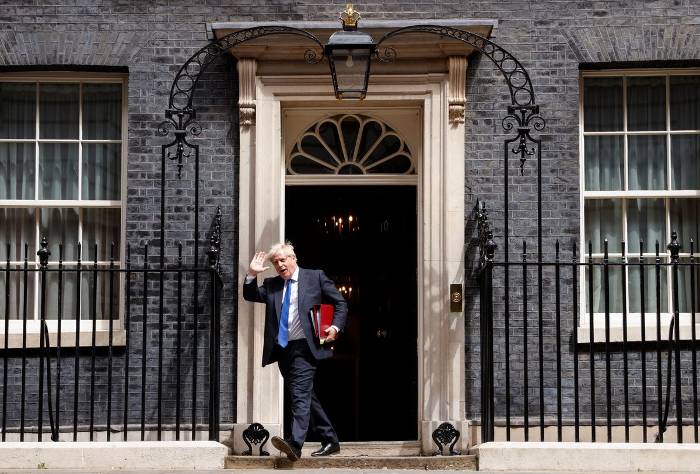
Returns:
<point x="290" y="341"/>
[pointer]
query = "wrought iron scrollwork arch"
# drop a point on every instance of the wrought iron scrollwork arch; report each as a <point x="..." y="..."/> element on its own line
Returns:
<point x="522" y="93"/>
<point x="523" y="113"/>
<point x="180" y="116"/>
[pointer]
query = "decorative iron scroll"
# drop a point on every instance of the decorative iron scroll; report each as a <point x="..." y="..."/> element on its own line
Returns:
<point x="257" y="435"/>
<point x="523" y="109"/>
<point x="446" y="434"/>
<point x="180" y="114"/>
<point x="214" y="251"/>
<point x="522" y="93"/>
<point x="487" y="246"/>
<point x="523" y="119"/>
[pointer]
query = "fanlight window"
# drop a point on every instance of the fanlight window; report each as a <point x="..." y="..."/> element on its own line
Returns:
<point x="350" y="144"/>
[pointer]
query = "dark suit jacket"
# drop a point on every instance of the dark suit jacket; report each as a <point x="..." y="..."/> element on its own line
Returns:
<point x="314" y="288"/>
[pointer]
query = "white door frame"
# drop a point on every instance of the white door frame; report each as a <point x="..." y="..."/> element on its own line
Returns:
<point x="440" y="236"/>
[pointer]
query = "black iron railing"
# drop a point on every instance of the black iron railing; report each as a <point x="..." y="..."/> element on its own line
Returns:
<point x="128" y="353"/>
<point x="600" y="346"/>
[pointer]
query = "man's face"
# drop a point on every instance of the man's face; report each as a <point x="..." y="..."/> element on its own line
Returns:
<point x="285" y="266"/>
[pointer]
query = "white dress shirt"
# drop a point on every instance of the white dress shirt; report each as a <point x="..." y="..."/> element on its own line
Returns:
<point x="296" y="331"/>
<point x="294" y="323"/>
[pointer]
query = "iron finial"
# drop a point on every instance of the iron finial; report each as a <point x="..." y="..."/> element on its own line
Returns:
<point x="44" y="253"/>
<point x="350" y="17"/>
<point x="490" y="246"/>
<point x="674" y="247"/>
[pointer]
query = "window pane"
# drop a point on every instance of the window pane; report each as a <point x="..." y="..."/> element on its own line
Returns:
<point x="101" y="171"/>
<point x="98" y="284"/>
<point x="101" y="227"/>
<point x="60" y="226"/>
<point x="102" y="111"/>
<point x="602" y="109"/>
<point x="685" y="215"/>
<point x="647" y="162"/>
<point x="685" y="102"/>
<point x="17" y="171"/>
<point x="18" y="111"/>
<point x="17" y="227"/>
<point x="59" y="106"/>
<point x="68" y="289"/>
<point x="603" y="221"/>
<point x="17" y="301"/>
<point x="58" y="171"/>
<point x="649" y="287"/>
<point x="604" y="163"/>
<point x="614" y="288"/>
<point x="646" y="103"/>
<point x="685" y="286"/>
<point x="685" y="161"/>
<point x="646" y="221"/>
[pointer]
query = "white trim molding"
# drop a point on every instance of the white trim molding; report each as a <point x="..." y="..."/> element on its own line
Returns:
<point x="440" y="183"/>
<point x="458" y="84"/>
<point x="247" y="68"/>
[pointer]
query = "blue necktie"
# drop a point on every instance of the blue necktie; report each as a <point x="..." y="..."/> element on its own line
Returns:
<point x="283" y="334"/>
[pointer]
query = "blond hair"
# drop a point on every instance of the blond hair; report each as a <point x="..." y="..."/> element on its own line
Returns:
<point x="282" y="249"/>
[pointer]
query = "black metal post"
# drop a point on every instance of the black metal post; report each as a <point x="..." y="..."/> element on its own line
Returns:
<point x="127" y="327"/>
<point x="78" y="317"/>
<point x="24" y="342"/>
<point x="58" y="336"/>
<point x="490" y="247"/>
<point x="574" y="293"/>
<point x="526" y="375"/>
<point x="178" y="342"/>
<point x="659" y="385"/>
<point x="642" y="305"/>
<point x="6" y="343"/>
<point x="43" y="254"/>
<point x="110" y="341"/>
<point x="694" y="351"/>
<point x="675" y="247"/>
<point x="93" y="343"/>
<point x="608" y="381"/>
<point x="625" y="363"/>
<point x="144" y="335"/>
<point x="557" y="292"/>
<point x="591" y="335"/>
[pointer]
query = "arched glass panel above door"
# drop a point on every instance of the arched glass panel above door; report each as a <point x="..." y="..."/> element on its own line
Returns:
<point x="350" y="144"/>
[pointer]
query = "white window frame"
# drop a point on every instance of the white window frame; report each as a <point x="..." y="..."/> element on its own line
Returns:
<point x="633" y="319"/>
<point x="68" y="326"/>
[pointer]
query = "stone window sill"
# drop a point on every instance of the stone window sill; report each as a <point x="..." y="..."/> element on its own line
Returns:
<point x="67" y="339"/>
<point x="634" y="327"/>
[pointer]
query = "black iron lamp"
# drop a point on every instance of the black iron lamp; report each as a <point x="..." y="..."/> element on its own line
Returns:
<point x="349" y="54"/>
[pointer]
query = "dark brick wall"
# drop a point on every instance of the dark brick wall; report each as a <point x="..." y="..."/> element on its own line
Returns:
<point x="153" y="39"/>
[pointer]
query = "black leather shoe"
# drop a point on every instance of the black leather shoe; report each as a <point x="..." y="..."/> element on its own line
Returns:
<point x="327" y="449"/>
<point x="293" y="453"/>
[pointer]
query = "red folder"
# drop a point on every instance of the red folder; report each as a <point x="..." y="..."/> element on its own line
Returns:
<point x="322" y="319"/>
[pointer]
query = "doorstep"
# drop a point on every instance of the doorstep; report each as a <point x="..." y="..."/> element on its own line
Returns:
<point x="357" y="455"/>
<point x="423" y="463"/>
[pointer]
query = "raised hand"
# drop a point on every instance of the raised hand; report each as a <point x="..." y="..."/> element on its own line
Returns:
<point x="257" y="265"/>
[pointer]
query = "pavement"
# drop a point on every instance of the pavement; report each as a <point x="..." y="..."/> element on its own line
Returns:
<point x="317" y="471"/>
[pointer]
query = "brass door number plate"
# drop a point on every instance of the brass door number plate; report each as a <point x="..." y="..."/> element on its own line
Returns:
<point x="456" y="297"/>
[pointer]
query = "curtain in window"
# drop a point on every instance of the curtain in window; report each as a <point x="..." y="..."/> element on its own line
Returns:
<point x="604" y="158"/>
<point x="18" y="111"/>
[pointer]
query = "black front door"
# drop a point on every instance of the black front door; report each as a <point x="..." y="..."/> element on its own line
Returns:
<point x="364" y="238"/>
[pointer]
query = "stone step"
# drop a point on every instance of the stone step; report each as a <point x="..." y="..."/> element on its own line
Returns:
<point x="462" y="462"/>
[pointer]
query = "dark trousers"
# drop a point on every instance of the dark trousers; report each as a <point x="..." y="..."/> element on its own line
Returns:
<point x="298" y="367"/>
